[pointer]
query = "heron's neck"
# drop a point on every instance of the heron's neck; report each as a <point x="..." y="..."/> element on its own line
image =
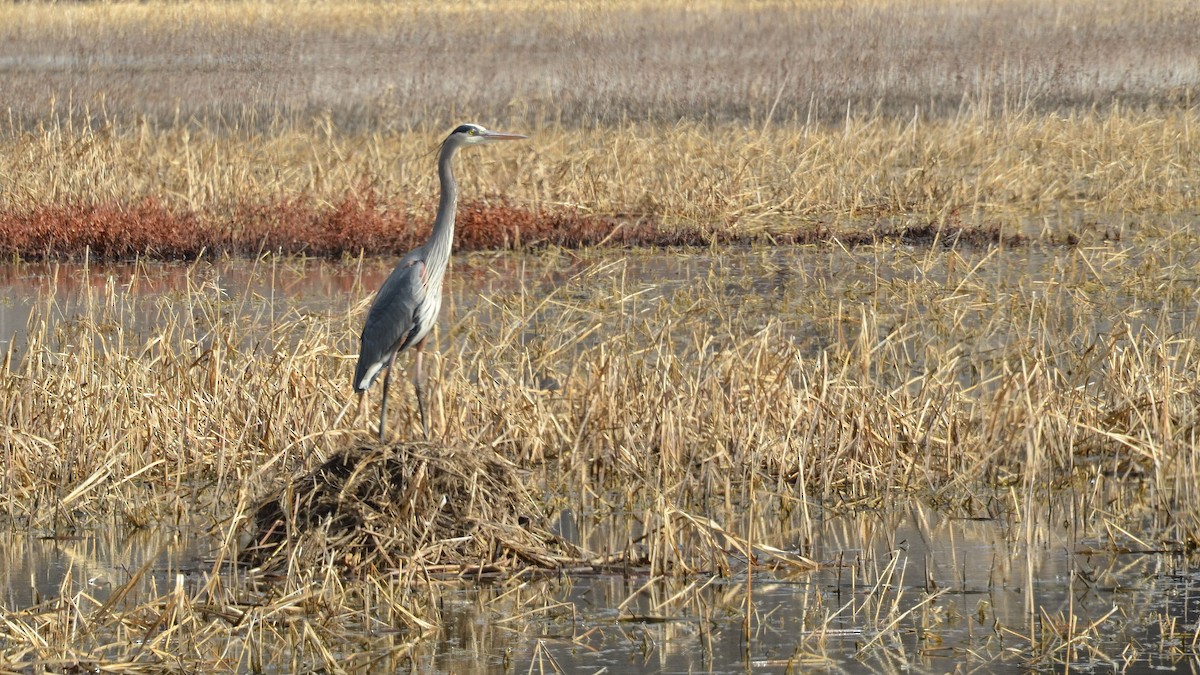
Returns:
<point x="440" y="241"/>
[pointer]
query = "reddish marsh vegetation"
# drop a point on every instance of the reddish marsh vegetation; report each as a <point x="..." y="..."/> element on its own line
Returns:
<point x="357" y="224"/>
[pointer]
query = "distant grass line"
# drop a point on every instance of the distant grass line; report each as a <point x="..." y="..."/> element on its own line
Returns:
<point x="247" y="65"/>
<point x="164" y="129"/>
<point x="128" y="190"/>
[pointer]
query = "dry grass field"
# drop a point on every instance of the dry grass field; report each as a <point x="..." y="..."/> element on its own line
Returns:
<point x="246" y="127"/>
<point x="988" y="304"/>
<point x="369" y="66"/>
<point x="128" y="191"/>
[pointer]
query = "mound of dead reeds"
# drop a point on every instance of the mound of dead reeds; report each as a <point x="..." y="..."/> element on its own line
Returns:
<point x="459" y="510"/>
<point x="445" y="508"/>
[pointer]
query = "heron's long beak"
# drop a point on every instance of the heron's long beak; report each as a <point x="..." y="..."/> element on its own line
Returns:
<point x="501" y="136"/>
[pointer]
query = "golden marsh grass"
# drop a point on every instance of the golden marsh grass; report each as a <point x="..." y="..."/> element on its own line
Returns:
<point x="702" y="427"/>
<point x="1059" y="179"/>
<point x="851" y="120"/>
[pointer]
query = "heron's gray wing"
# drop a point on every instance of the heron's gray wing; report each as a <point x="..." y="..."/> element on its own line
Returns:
<point x="390" y="320"/>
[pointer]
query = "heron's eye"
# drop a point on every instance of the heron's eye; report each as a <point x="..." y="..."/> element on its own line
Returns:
<point x="472" y="132"/>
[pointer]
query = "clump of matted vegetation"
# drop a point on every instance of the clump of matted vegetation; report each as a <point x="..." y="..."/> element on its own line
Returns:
<point x="446" y="509"/>
<point x="464" y="511"/>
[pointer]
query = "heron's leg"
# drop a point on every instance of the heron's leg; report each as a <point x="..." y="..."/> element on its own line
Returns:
<point x="420" y="347"/>
<point x="345" y="409"/>
<point x="361" y="410"/>
<point x="387" y="378"/>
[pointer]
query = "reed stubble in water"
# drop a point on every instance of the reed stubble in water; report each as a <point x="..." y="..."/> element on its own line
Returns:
<point x="949" y="374"/>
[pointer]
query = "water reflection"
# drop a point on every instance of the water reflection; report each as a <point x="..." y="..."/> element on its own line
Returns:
<point x="900" y="589"/>
<point x="41" y="566"/>
<point x="904" y="589"/>
<point x="816" y="294"/>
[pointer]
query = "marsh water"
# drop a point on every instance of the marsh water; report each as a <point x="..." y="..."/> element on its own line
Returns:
<point x="963" y="585"/>
<point x="757" y="286"/>
<point x="901" y="587"/>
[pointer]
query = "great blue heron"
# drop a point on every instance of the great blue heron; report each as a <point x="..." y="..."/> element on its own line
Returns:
<point x="407" y="305"/>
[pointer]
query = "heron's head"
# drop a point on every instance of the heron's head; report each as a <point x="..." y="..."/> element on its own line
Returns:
<point x="472" y="134"/>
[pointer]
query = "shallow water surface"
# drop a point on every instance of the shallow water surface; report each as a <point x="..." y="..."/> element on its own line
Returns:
<point x="757" y="286"/>
<point x="906" y="589"/>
